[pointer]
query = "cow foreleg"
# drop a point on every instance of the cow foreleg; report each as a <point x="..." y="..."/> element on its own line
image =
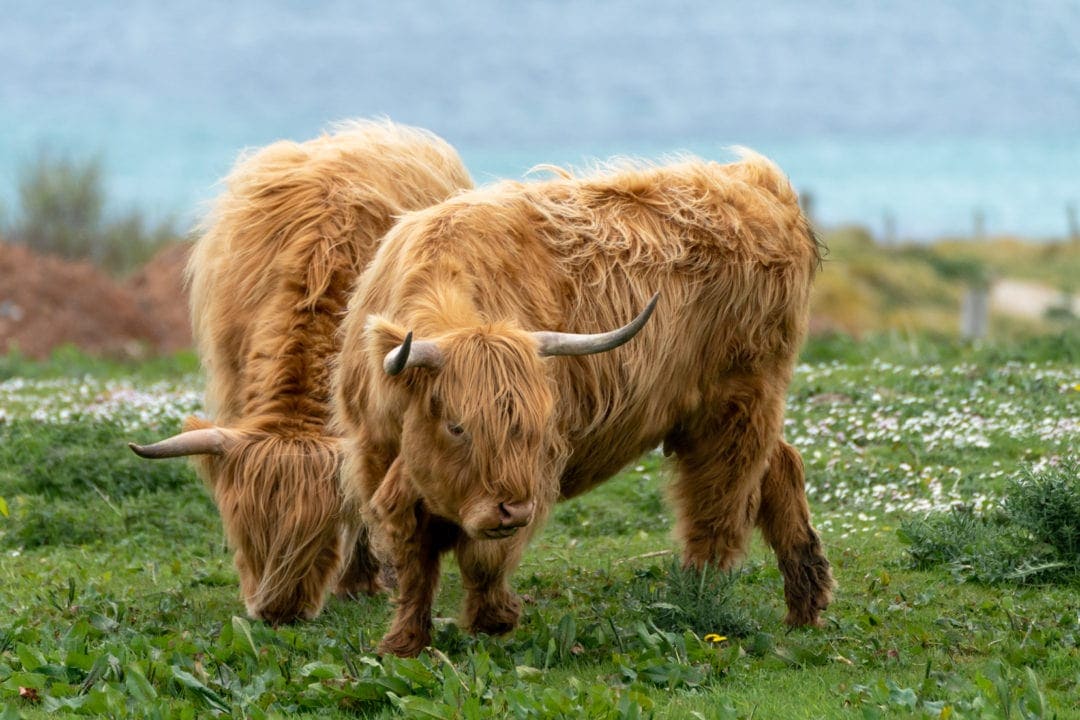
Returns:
<point x="490" y="605"/>
<point x="363" y="570"/>
<point x="413" y="541"/>
<point x="417" y="567"/>
<point x="784" y="518"/>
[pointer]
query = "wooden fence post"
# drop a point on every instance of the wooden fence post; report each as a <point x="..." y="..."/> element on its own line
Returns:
<point x="975" y="312"/>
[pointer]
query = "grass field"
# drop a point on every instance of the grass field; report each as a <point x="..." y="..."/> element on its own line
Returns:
<point x="117" y="597"/>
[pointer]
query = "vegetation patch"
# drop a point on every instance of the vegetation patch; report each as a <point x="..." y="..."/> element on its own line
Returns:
<point x="120" y="598"/>
<point x="677" y="599"/>
<point x="1031" y="535"/>
<point x="62" y="211"/>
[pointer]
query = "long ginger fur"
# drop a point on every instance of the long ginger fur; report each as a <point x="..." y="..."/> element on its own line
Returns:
<point x="270" y="278"/>
<point x="732" y="256"/>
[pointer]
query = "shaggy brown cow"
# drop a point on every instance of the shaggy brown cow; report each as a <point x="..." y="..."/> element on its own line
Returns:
<point x="270" y="279"/>
<point x="463" y="438"/>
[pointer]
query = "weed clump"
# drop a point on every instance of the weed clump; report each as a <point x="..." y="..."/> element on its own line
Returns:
<point x="677" y="599"/>
<point x="1033" y="535"/>
<point x="1047" y="506"/>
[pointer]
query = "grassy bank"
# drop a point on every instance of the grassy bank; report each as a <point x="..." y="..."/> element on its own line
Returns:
<point x="914" y="289"/>
<point x="121" y="600"/>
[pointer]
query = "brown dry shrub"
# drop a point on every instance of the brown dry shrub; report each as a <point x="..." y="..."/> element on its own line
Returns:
<point x="159" y="289"/>
<point x="46" y="302"/>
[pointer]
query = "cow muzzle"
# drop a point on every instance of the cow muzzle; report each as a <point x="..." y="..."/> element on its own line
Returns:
<point x="511" y="517"/>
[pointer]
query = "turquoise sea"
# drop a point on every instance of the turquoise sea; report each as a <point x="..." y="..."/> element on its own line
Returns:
<point x="917" y="114"/>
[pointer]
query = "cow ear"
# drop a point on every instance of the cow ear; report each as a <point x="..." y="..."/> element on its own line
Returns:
<point x="382" y="336"/>
<point x="193" y="422"/>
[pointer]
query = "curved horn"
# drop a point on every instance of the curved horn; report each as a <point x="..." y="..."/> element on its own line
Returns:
<point x="204" y="441"/>
<point x="557" y="343"/>
<point x="409" y="354"/>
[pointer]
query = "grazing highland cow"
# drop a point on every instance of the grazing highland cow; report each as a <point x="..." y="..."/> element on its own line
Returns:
<point x="270" y="279"/>
<point x="461" y="428"/>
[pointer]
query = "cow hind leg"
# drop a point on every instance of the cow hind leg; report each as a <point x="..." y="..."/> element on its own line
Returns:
<point x="721" y="456"/>
<point x="361" y="573"/>
<point x="490" y="605"/>
<point x="784" y="518"/>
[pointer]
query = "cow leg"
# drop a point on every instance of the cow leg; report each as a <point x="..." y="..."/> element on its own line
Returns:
<point x="721" y="455"/>
<point x="417" y="566"/>
<point x="490" y="605"/>
<point x="361" y="574"/>
<point x="413" y="540"/>
<point x="784" y="518"/>
<point x="362" y="473"/>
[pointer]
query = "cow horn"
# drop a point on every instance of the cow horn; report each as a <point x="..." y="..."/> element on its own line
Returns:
<point x="409" y="354"/>
<point x="204" y="441"/>
<point x="558" y="343"/>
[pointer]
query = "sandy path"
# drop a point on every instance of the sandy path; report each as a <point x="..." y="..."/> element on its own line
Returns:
<point x="1026" y="299"/>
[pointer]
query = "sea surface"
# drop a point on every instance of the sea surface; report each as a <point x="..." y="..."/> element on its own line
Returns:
<point x="916" y="119"/>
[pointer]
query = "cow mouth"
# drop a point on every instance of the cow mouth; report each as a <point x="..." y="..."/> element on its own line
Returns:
<point x="498" y="533"/>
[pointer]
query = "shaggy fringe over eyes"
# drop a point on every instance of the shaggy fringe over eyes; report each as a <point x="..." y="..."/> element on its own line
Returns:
<point x="494" y="384"/>
<point x="281" y="504"/>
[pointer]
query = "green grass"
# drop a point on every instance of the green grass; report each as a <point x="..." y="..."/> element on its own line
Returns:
<point x="119" y="599"/>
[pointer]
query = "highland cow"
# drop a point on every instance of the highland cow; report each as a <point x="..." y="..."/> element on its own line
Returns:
<point x="480" y="379"/>
<point x="270" y="279"/>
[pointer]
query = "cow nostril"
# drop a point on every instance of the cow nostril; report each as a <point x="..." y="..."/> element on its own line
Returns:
<point x="515" y="514"/>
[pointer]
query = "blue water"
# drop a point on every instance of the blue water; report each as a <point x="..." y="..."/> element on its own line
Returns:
<point x="926" y="111"/>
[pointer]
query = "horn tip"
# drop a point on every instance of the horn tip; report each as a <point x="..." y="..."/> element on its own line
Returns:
<point x="396" y="360"/>
<point x="138" y="449"/>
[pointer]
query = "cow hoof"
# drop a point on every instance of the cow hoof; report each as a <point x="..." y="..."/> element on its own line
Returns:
<point x="496" y="618"/>
<point x="403" y="644"/>
<point x="492" y="627"/>
<point x="803" y="619"/>
<point x="355" y="588"/>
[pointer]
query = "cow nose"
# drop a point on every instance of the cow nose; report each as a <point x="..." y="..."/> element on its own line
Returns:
<point x="515" y="515"/>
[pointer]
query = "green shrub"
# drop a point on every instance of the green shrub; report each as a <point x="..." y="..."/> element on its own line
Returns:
<point x="1033" y="535"/>
<point x="984" y="548"/>
<point x="62" y="212"/>
<point x="61" y="203"/>
<point x="1047" y="505"/>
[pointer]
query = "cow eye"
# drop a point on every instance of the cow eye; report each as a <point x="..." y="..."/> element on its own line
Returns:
<point x="455" y="430"/>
